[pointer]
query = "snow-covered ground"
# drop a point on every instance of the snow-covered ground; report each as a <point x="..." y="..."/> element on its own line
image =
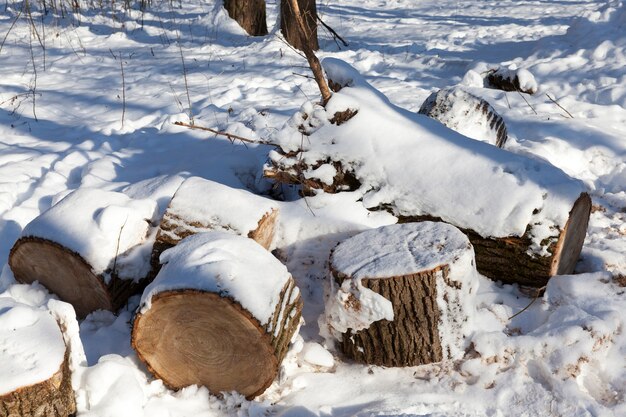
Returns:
<point x="67" y="122"/>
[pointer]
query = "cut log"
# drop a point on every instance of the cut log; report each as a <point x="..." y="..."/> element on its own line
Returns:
<point x="201" y="205"/>
<point x="511" y="80"/>
<point x="509" y="259"/>
<point x="220" y="313"/>
<point x="250" y="14"/>
<point x="36" y="378"/>
<point x="526" y="218"/>
<point x="404" y="294"/>
<point x="83" y="249"/>
<point x="467" y="114"/>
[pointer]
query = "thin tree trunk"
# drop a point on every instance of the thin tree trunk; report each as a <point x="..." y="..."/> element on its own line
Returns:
<point x="289" y="25"/>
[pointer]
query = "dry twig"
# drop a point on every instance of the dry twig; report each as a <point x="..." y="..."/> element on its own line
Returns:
<point x="561" y="107"/>
<point x="230" y="136"/>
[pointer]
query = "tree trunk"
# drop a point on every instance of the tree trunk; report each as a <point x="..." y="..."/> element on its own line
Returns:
<point x="430" y="293"/>
<point x="201" y="331"/>
<point x="36" y="393"/>
<point x="81" y="249"/>
<point x="250" y="14"/>
<point x="289" y="25"/>
<point x="508" y="259"/>
<point x="201" y="205"/>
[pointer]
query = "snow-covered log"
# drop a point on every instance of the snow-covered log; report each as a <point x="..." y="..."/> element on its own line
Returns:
<point x="34" y="363"/>
<point x="402" y="295"/>
<point x="526" y="218"/>
<point x="220" y="313"/>
<point x="200" y="205"/>
<point x="467" y="114"/>
<point x="511" y="80"/>
<point x="90" y="249"/>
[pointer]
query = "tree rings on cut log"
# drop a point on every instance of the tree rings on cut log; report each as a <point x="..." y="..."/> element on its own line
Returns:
<point x="220" y="313"/>
<point x="467" y="114"/>
<point x="34" y="364"/>
<point x="200" y="205"/>
<point x="403" y="294"/>
<point x="81" y="249"/>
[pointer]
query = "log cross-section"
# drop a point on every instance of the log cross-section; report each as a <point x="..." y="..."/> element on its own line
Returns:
<point x="204" y="319"/>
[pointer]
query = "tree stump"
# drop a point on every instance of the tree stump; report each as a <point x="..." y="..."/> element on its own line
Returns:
<point x="81" y="249"/>
<point x="250" y="14"/>
<point x="220" y="313"/>
<point x="201" y="205"/>
<point x="34" y="364"/>
<point x="289" y="26"/>
<point x="402" y="295"/>
<point x="467" y="114"/>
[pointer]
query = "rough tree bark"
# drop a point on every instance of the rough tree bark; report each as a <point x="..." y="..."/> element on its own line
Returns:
<point x="426" y="271"/>
<point x="290" y="28"/>
<point x="48" y="395"/>
<point x="201" y="332"/>
<point x="250" y="14"/>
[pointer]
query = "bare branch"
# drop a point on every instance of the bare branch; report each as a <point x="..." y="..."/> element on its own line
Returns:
<point x="230" y="136"/>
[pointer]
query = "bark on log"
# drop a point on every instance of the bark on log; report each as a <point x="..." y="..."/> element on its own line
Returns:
<point x="250" y="14"/>
<point x="41" y="395"/>
<point x="426" y="271"/>
<point x="201" y="205"/>
<point x="78" y="249"/>
<point x="466" y="113"/>
<point x="289" y="25"/>
<point x="202" y="330"/>
<point x="508" y="259"/>
<point x="511" y="80"/>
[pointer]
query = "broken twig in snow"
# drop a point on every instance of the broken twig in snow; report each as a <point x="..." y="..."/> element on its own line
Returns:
<point x="230" y="136"/>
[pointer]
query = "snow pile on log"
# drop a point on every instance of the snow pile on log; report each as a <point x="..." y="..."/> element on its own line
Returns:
<point x="101" y="226"/>
<point x="397" y="155"/>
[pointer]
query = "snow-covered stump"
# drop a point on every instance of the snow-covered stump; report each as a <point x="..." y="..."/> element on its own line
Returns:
<point x="220" y="313"/>
<point x="84" y="249"/>
<point x="200" y="205"/>
<point x="35" y="378"/>
<point x="467" y="114"/>
<point x="405" y="294"/>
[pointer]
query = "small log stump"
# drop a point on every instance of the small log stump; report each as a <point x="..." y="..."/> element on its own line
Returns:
<point x="34" y="364"/>
<point x="80" y="249"/>
<point x="505" y="79"/>
<point x="467" y="114"/>
<point x="220" y="313"/>
<point x="201" y="205"/>
<point x="425" y="271"/>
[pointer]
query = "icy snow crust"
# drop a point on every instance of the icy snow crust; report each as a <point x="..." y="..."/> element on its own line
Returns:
<point x="563" y="356"/>
<point x="99" y="225"/>
<point x="399" y="250"/>
<point x="217" y="206"/>
<point x="225" y="264"/>
<point x="402" y="159"/>
<point x="31" y="345"/>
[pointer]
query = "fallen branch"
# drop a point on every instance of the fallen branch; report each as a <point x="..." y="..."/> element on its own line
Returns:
<point x="561" y="107"/>
<point x="230" y="136"/>
<point x="332" y="32"/>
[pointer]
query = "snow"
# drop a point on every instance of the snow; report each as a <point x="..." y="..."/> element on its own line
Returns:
<point x="31" y="344"/>
<point x="225" y="264"/>
<point x="204" y="205"/>
<point x="101" y="226"/>
<point x="63" y="131"/>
